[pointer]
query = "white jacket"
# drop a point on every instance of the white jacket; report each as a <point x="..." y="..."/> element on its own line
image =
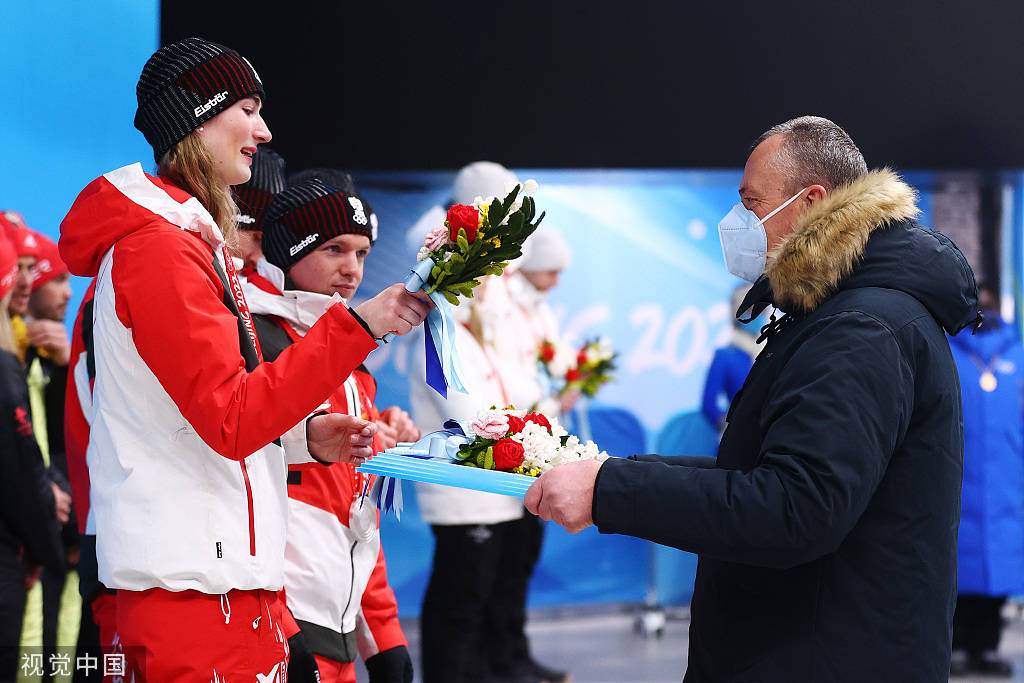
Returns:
<point x="188" y="492"/>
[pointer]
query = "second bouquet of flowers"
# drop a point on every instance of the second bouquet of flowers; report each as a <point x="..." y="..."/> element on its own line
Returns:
<point x="499" y="451"/>
<point x="585" y="369"/>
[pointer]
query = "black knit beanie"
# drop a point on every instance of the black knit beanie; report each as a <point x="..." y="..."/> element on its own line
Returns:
<point x="334" y="177"/>
<point x="254" y="196"/>
<point x="186" y="84"/>
<point x="306" y="215"/>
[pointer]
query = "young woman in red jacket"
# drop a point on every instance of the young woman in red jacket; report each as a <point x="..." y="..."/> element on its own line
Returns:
<point x="188" y="424"/>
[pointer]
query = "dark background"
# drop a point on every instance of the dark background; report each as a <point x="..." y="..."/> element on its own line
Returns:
<point x="386" y="85"/>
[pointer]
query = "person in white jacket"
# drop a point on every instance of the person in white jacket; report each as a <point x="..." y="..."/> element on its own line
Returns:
<point x="473" y="616"/>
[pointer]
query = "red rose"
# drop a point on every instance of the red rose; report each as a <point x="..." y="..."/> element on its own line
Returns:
<point x="538" y="418"/>
<point x="572" y="375"/>
<point x="463" y="216"/>
<point x="515" y="424"/>
<point x="547" y="353"/>
<point x="508" y="455"/>
<point x="581" y="358"/>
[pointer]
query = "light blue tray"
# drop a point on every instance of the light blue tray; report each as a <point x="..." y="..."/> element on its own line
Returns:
<point x="438" y="472"/>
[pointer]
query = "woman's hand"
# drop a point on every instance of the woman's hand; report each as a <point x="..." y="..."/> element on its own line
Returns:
<point x="393" y="311"/>
<point x="336" y="437"/>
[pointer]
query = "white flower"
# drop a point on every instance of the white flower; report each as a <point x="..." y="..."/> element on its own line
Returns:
<point x="602" y="350"/>
<point x="529" y="187"/>
<point x="543" y="450"/>
<point x="423" y="253"/>
<point x="564" y="360"/>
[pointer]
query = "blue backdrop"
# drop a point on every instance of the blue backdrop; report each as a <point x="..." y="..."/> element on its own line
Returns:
<point x="68" y="78"/>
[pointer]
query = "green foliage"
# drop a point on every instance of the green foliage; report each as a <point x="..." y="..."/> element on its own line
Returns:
<point x="480" y="453"/>
<point x="498" y="241"/>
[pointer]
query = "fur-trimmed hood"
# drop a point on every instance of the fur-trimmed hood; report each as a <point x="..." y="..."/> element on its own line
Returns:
<point x="863" y="235"/>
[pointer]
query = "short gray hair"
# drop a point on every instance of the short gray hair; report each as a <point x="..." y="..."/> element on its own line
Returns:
<point x="815" y="151"/>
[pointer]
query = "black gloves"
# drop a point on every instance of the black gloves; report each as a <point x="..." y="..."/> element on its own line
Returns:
<point x="390" y="666"/>
<point x="301" y="665"/>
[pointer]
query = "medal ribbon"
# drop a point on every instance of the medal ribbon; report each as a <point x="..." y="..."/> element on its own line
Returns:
<point x="240" y="302"/>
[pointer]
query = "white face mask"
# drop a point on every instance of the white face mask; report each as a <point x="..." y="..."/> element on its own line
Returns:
<point x="744" y="241"/>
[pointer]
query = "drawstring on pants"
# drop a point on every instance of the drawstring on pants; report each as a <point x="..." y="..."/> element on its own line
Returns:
<point x="225" y="608"/>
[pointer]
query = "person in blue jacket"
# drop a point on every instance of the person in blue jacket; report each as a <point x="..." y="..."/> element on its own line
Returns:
<point x="729" y="367"/>
<point x="991" y="539"/>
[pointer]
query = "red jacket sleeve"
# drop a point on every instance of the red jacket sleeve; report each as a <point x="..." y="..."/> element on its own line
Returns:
<point x="169" y="295"/>
<point x="380" y="629"/>
<point x="76" y="427"/>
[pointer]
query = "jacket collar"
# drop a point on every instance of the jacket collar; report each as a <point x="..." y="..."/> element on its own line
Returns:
<point x="830" y="236"/>
<point x="299" y="309"/>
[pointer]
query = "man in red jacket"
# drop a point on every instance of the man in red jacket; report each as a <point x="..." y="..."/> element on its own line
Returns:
<point x="335" y="574"/>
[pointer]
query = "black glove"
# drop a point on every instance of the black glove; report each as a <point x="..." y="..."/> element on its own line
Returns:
<point x="390" y="666"/>
<point x="301" y="665"/>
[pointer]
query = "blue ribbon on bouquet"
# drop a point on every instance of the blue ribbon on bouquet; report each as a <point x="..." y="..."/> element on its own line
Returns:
<point x="442" y="445"/>
<point x="443" y="368"/>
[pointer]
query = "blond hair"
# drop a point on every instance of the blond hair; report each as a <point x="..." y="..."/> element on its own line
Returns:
<point x="188" y="165"/>
<point x="7" y="342"/>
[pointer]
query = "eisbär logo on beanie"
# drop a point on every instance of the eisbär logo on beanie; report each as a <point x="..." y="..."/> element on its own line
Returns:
<point x="296" y="248"/>
<point x="210" y="103"/>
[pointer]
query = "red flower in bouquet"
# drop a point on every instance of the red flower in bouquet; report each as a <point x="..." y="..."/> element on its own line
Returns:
<point x="539" y="418"/>
<point x="516" y="424"/>
<point x="508" y="455"/>
<point x="581" y="359"/>
<point x="547" y="352"/>
<point x="572" y="375"/>
<point x="463" y="216"/>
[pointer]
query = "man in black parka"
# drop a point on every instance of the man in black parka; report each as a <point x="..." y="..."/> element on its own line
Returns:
<point x="827" y="526"/>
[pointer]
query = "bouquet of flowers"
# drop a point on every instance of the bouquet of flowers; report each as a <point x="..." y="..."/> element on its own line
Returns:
<point x="475" y="240"/>
<point x="499" y="451"/>
<point x="585" y="369"/>
<point x="524" y="443"/>
<point x="478" y="239"/>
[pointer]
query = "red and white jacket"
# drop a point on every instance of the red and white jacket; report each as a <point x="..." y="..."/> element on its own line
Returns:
<point x="187" y="487"/>
<point x="335" y="573"/>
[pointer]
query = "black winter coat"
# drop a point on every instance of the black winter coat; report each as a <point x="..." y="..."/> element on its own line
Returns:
<point x="28" y="519"/>
<point x="827" y="527"/>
